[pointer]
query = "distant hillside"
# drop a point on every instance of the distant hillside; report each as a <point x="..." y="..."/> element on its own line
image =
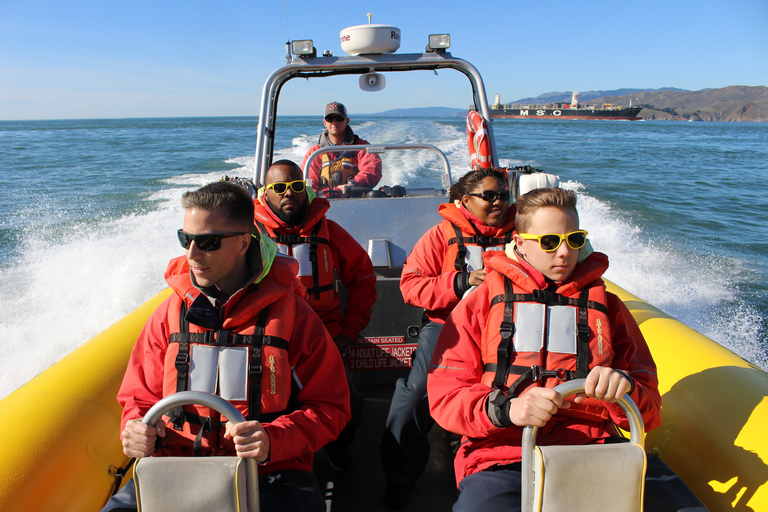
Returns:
<point x="423" y="112"/>
<point x="732" y="103"/>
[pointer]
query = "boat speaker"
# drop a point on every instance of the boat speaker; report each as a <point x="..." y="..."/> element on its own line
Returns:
<point x="372" y="82"/>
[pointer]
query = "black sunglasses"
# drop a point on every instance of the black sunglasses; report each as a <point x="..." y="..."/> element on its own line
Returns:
<point x="491" y="195"/>
<point x="206" y="241"/>
<point x="335" y="119"/>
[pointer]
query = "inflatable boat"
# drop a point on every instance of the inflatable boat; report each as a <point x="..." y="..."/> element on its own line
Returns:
<point x="60" y="431"/>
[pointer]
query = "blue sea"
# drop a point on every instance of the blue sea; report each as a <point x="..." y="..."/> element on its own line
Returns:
<point x="88" y="210"/>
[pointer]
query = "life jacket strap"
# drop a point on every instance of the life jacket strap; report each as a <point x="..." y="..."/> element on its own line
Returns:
<point x="286" y="239"/>
<point x="290" y="239"/>
<point x="551" y="298"/>
<point x="119" y="474"/>
<point x="313" y="260"/>
<point x="255" y="368"/>
<point x="503" y="367"/>
<point x="317" y="290"/>
<point x="176" y="415"/>
<point x="483" y="240"/>
<point x="582" y="347"/>
<point x="461" y="256"/>
<point x="206" y="423"/>
<point x="313" y="239"/>
<point x="507" y="331"/>
<point x="221" y="337"/>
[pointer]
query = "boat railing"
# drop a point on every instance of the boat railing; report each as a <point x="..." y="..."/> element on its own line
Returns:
<point x="383" y="148"/>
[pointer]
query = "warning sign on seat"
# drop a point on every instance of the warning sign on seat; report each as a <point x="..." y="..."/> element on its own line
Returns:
<point x="385" y="340"/>
<point x="373" y="357"/>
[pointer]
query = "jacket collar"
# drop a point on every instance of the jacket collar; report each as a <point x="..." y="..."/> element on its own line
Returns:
<point x="315" y="212"/>
<point x="349" y="138"/>
<point x="469" y="223"/>
<point x="528" y="278"/>
<point x="272" y="275"/>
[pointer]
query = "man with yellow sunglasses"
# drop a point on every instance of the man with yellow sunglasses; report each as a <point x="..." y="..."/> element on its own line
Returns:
<point x="289" y="213"/>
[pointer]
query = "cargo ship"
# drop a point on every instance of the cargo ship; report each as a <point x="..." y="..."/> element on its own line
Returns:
<point x="572" y="110"/>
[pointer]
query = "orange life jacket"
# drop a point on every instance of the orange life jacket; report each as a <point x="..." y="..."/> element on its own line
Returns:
<point x="337" y="171"/>
<point x="542" y="338"/>
<point x="465" y="244"/>
<point x="311" y="247"/>
<point x="255" y="371"/>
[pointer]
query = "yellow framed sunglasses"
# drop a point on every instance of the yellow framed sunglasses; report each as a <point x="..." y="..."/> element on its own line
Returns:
<point x="281" y="187"/>
<point x="552" y="241"/>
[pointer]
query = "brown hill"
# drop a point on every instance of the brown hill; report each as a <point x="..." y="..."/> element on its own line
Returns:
<point x="732" y="103"/>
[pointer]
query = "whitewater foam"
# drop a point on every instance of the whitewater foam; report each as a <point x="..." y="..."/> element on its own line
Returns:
<point x="64" y="289"/>
<point x="695" y="289"/>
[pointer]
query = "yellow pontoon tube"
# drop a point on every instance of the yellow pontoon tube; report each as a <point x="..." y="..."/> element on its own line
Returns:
<point x="60" y="431"/>
<point x="714" y="412"/>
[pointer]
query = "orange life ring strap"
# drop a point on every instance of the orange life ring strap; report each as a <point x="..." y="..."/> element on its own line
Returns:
<point x="477" y="141"/>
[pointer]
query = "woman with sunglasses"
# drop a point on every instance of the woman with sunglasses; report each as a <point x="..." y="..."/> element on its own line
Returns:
<point x="542" y="316"/>
<point x="444" y="264"/>
<point x="346" y="169"/>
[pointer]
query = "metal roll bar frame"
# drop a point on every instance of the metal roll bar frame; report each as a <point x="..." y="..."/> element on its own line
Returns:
<point x="320" y="67"/>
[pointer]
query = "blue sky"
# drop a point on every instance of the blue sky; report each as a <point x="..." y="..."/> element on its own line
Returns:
<point x="108" y="58"/>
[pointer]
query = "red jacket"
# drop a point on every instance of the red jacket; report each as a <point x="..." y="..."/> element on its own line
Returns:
<point x="368" y="166"/>
<point x="458" y="397"/>
<point x="350" y="262"/>
<point x="428" y="276"/>
<point x="323" y="394"/>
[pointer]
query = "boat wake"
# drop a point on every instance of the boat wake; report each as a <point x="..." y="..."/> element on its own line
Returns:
<point x="696" y="289"/>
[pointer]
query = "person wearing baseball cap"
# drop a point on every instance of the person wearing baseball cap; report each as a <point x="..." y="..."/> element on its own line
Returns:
<point x="346" y="169"/>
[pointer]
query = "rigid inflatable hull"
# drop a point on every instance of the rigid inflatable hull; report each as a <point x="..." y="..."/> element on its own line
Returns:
<point x="60" y="432"/>
<point x="714" y="412"/>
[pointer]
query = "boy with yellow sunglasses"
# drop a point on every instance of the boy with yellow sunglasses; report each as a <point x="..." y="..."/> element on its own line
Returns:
<point x="542" y="316"/>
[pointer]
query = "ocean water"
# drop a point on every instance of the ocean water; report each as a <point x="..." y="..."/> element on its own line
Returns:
<point x="88" y="211"/>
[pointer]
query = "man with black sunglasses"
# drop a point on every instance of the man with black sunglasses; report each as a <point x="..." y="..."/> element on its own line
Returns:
<point x="292" y="216"/>
<point x="344" y="170"/>
<point x="236" y="326"/>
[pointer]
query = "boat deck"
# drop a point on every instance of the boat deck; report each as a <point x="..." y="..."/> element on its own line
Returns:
<point x="362" y="487"/>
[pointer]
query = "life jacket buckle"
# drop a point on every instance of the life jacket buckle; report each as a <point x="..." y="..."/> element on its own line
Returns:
<point x="506" y="330"/>
<point x="547" y="297"/>
<point x="225" y="338"/>
<point x="208" y="424"/>
<point x="539" y="373"/>
<point x="583" y="332"/>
